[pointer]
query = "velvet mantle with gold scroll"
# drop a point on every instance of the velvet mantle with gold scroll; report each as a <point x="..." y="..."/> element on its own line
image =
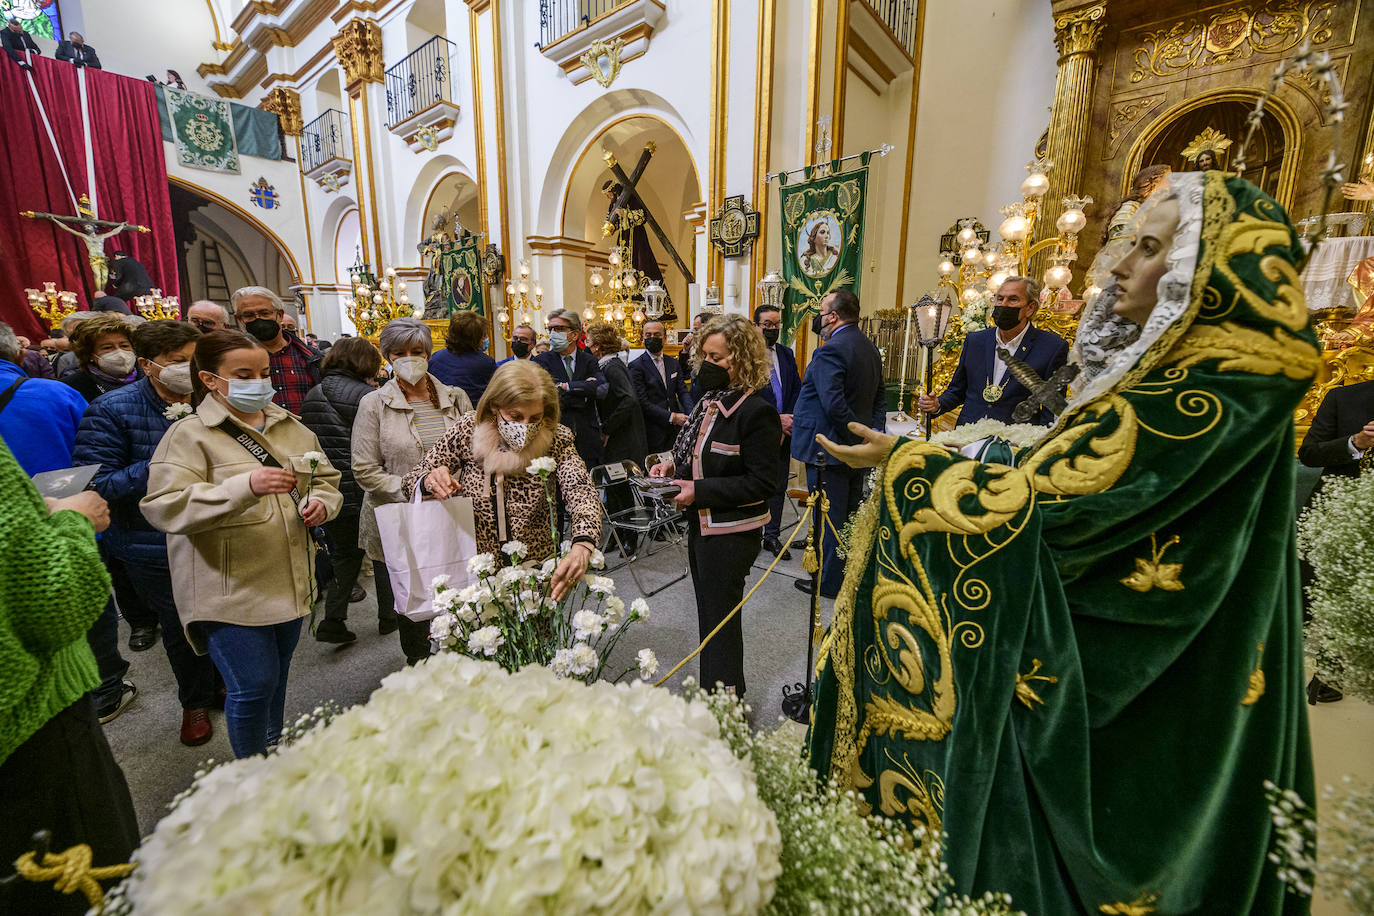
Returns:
<point x="1083" y="669"/>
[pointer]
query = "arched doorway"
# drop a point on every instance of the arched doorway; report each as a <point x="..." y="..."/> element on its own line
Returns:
<point x="1271" y="161"/>
<point x="220" y="248"/>
<point x="668" y="188"/>
<point x="456" y="195"/>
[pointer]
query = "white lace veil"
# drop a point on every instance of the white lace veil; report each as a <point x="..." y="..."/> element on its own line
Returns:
<point x="1108" y="346"/>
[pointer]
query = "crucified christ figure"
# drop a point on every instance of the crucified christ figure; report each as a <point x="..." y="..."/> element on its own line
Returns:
<point x="87" y="228"/>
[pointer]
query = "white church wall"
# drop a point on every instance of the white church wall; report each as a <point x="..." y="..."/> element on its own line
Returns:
<point x="122" y="33"/>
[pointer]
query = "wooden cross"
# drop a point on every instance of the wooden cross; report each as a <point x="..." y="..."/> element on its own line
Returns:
<point x="87" y="228"/>
<point x="627" y="183"/>
<point x="1049" y="394"/>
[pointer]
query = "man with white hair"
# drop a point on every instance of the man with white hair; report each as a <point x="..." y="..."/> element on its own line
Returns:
<point x="208" y="316"/>
<point x="78" y="52"/>
<point x="295" y="367"/>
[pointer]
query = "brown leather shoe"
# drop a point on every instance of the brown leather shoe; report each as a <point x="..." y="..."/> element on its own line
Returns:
<point x="195" y="727"/>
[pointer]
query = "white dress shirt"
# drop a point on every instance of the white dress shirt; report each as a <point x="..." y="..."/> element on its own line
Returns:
<point x="999" y="368"/>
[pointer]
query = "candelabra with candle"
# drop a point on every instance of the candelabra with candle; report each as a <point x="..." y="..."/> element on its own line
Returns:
<point x="932" y="324"/>
<point x="519" y="308"/>
<point x="375" y="303"/>
<point x="51" y="304"/>
<point x="157" y="307"/>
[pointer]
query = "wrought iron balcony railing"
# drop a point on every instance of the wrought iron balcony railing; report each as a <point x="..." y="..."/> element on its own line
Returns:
<point x="419" y="81"/>
<point x="563" y="17"/>
<point x="323" y="139"/>
<point x="900" y="18"/>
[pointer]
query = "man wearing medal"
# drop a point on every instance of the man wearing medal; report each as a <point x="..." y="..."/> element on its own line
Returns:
<point x="981" y="383"/>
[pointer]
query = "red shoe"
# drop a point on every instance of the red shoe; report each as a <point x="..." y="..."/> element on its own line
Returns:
<point x="195" y="727"/>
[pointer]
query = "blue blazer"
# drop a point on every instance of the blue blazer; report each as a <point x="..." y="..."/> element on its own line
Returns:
<point x="578" y="404"/>
<point x="1043" y="350"/>
<point x="660" y="403"/>
<point x="790" y="378"/>
<point x="469" y="371"/>
<point x="843" y="384"/>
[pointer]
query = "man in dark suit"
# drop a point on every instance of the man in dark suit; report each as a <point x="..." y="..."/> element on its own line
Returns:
<point x="579" y="380"/>
<point x="16" y="41"/>
<point x="785" y="382"/>
<point x="128" y="277"/>
<point x="661" y="389"/>
<point x="843" y="385"/>
<point x="982" y="385"/>
<point x="78" y="52"/>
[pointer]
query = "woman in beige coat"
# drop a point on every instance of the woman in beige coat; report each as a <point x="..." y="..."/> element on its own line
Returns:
<point x="395" y="426"/>
<point x="239" y="546"/>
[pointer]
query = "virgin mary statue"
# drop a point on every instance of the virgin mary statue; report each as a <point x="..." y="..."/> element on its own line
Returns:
<point x="1084" y="668"/>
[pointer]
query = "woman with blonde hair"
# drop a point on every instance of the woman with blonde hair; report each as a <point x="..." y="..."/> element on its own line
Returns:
<point x="237" y="486"/>
<point x="726" y="464"/>
<point x="104" y="349"/>
<point x="486" y="456"/>
<point x="394" y="427"/>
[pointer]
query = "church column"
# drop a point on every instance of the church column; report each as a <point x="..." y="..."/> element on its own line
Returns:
<point x="286" y="105"/>
<point x="1077" y="35"/>
<point x="358" y="46"/>
<point x="698" y="219"/>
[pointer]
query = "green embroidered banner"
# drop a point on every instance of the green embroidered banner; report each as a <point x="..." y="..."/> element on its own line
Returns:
<point x="204" y="131"/>
<point x="822" y="240"/>
<point x="461" y="268"/>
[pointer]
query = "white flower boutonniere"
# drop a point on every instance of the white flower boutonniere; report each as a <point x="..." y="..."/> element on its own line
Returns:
<point x="176" y="411"/>
<point x="542" y="466"/>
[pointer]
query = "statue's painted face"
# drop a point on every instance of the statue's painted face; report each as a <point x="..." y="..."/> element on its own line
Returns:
<point x="1206" y="161"/>
<point x="1139" y="272"/>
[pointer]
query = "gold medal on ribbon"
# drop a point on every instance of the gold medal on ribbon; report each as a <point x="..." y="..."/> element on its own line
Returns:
<point x="992" y="393"/>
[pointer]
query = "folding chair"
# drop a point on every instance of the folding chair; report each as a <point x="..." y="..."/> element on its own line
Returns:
<point x="640" y="517"/>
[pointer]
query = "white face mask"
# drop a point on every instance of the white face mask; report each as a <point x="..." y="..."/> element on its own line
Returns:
<point x="558" y="340"/>
<point x="248" y="395"/>
<point x="514" y="434"/>
<point x="176" y="378"/>
<point x="118" y="363"/>
<point x="410" y="369"/>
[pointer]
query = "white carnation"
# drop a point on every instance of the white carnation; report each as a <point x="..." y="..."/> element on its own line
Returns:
<point x="549" y="566"/>
<point x="510" y="575"/>
<point x="587" y="625"/>
<point x="486" y="640"/>
<point x="441" y="627"/>
<point x="615" y="611"/>
<point x="515" y="550"/>
<point x="601" y="585"/>
<point x="584" y="659"/>
<point x="439" y="582"/>
<point x="313" y="458"/>
<point x="542" y="466"/>
<point x="484" y="564"/>
<point x="639" y="609"/>
<point x="562" y="662"/>
<point x="648" y="663"/>
<point x="598" y="560"/>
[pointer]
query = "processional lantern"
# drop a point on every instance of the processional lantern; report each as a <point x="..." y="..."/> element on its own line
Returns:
<point x="932" y="314"/>
<point x="771" y="288"/>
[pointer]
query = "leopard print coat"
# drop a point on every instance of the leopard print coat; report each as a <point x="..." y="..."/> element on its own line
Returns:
<point x="507" y="503"/>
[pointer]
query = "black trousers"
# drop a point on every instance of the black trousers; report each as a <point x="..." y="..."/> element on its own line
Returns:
<point x="414" y="634"/>
<point x="132" y="607"/>
<point x="774" y="525"/>
<point x="195" y="674"/>
<point x="63" y="779"/>
<point x="345" y="560"/>
<point x="720" y="565"/>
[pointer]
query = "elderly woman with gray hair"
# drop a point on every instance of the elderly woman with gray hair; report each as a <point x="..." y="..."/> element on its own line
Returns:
<point x="394" y="427"/>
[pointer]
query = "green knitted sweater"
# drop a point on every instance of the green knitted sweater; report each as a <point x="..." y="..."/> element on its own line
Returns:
<point x="52" y="588"/>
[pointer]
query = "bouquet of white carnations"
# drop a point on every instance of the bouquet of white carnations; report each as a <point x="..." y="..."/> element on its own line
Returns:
<point x="461" y="788"/>
<point x="509" y="616"/>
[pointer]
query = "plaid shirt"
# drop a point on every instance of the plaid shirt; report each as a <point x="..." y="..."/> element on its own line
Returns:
<point x="295" y="371"/>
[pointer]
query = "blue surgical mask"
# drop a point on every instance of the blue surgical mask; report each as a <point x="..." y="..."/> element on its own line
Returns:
<point x="248" y="395"/>
<point x="558" y="340"/>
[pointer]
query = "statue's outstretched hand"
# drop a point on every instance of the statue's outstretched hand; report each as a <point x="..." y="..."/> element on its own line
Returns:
<point x="867" y="454"/>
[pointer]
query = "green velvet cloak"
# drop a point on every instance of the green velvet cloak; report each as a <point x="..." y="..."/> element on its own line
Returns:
<point x="1084" y="668"/>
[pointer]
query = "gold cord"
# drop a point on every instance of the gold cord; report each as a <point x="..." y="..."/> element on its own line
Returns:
<point x="70" y="872"/>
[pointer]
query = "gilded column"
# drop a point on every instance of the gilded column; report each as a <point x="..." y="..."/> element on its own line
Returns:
<point x="1077" y="35"/>
<point x="286" y="105"/>
<point x="358" y="46"/>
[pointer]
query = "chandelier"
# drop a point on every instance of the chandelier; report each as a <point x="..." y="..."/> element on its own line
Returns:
<point x="623" y="294"/>
<point x="519" y="309"/>
<point x="51" y="304"/>
<point x="158" y="307"/>
<point x="375" y="304"/>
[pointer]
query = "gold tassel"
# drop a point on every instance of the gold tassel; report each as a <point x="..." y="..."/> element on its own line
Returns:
<point x="810" y="563"/>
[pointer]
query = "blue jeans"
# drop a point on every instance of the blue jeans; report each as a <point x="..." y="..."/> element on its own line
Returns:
<point x="195" y="674"/>
<point x="254" y="662"/>
<point x="103" y="637"/>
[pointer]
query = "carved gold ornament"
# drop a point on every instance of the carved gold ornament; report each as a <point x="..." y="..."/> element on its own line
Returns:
<point x="1210" y="140"/>
<point x="1234" y="35"/>
<point x="1255" y="689"/>
<point x="358" y="46"/>
<point x="1143" y="905"/>
<point x="1025" y="692"/>
<point x="1125" y="115"/>
<point x="1080" y="32"/>
<point x="1154" y="573"/>
<point x="428" y="137"/>
<point x="602" y="61"/>
<point x="286" y="105"/>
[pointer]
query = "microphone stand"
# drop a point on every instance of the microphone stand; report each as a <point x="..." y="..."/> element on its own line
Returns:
<point x="796" y="698"/>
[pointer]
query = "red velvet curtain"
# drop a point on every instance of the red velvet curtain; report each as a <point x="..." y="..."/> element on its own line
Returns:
<point x="130" y="182"/>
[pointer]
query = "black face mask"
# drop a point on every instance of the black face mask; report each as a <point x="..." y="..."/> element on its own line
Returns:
<point x="521" y="348"/>
<point x="771" y="335"/>
<point x="712" y="377"/>
<point x="1006" y="317"/>
<point x="263" y="328"/>
<point x="816" y="326"/>
<point x="654" y="345"/>
<point x="203" y="328"/>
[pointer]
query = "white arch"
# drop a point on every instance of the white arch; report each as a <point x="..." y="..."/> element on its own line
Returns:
<point x="434" y="171"/>
<point x="582" y="132"/>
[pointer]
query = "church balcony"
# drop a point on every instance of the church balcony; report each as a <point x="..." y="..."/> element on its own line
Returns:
<point x="325" y="155"/>
<point x="882" y="40"/>
<point x="568" y="28"/>
<point x="419" y="95"/>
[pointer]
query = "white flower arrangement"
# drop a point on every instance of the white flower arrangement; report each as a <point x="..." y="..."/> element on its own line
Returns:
<point x="1346" y="862"/>
<point x="648" y="663"/>
<point x="432" y="797"/>
<point x="1294" y="851"/>
<point x="176" y="411"/>
<point x="509" y="616"/>
<point x="1020" y="435"/>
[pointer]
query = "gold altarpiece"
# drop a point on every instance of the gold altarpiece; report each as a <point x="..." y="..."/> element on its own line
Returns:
<point x="1146" y="76"/>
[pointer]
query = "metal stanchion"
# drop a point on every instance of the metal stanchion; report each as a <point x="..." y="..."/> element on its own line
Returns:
<point x="796" y="698"/>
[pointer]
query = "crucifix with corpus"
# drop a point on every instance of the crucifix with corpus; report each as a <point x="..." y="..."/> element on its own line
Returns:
<point x="629" y="215"/>
<point x="86" y="227"/>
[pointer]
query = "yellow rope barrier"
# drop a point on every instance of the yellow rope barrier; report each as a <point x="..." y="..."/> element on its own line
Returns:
<point x="743" y="601"/>
<point x="70" y="872"/>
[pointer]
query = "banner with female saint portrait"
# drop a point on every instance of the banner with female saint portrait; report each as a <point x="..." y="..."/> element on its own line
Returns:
<point x="822" y="239"/>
